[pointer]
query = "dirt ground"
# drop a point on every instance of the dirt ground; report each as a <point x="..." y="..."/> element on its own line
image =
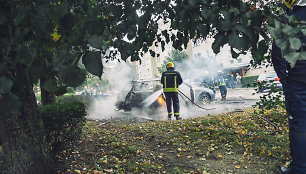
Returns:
<point x="118" y="146"/>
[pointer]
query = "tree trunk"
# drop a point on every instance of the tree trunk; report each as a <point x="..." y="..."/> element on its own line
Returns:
<point x="46" y="97"/>
<point x="25" y="148"/>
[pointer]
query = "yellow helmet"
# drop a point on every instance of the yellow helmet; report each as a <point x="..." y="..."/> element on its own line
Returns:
<point x="170" y="64"/>
<point x="289" y="3"/>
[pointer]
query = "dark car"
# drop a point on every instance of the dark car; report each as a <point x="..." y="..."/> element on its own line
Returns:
<point x="140" y="91"/>
<point x="149" y="94"/>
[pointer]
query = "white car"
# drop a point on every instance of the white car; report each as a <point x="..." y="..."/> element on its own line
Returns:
<point x="271" y="78"/>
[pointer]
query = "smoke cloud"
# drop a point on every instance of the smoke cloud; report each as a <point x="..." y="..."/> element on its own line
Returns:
<point x="119" y="76"/>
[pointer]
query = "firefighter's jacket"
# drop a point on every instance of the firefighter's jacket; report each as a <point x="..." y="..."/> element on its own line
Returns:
<point x="219" y="80"/>
<point x="171" y="79"/>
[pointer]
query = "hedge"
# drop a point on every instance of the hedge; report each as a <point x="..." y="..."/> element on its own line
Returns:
<point x="248" y="81"/>
<point x="85" y="99"/>
<point x="63" y="124"/>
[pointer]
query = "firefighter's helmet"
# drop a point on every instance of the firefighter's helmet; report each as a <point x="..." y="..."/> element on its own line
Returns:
<point x="170" y="64"/>
<point x="289" y="3"/>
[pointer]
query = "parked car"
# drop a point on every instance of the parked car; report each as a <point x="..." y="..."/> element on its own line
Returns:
<point x="271" y="79"/>
<point x="141" y="91"/>
<point x="197" y="92"/>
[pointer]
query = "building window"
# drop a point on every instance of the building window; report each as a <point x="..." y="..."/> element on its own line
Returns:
<point x="197" y="56"/>
<point x="232" y="61"/>
<point x="239" y="60"/>
<point x="196" y="42"/>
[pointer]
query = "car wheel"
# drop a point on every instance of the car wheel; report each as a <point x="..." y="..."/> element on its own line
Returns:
<point x="204" y="99"/>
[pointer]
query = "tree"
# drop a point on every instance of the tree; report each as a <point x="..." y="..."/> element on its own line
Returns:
<point x="47" y="39"/>
<point x="177" y="57"/>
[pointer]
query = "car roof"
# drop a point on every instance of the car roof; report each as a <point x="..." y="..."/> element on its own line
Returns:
<point x="140" y="81"/>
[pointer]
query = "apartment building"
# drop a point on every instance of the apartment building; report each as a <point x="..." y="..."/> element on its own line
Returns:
<point x="200" y="49"/>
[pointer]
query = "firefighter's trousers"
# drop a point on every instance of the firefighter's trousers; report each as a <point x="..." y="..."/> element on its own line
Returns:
<point x="223" y="91"/>
<point x="295" y="96"/>
<point x="172" y="99"/>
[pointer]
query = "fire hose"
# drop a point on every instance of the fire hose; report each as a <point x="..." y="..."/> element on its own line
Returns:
<point x="181" y="93"/>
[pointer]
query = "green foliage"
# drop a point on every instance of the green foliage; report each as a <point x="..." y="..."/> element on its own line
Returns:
<point x="249" y="81"/>
<point x="9" y="104"/>
<point x="288" y="35"/>
<point x="5" y="85"/>
<point x="63" y="124"/>
<point x="177" y="57"/>
<point x="273" y="99"/>
<point x="85" y="99"/>
<point x="93" y="62"/>
<point x="49" y="38"/>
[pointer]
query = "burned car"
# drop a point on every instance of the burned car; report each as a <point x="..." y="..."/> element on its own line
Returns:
<point x="139" y="93"/>
<point x="149" y="94"/>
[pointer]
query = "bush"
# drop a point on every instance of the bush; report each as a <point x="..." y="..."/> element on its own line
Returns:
<point x="63" y="124"/>
<point x="249" y="81"/>
<point x="86" y="100"/>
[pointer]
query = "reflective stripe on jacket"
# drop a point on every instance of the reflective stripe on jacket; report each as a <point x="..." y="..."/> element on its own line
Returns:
<point x="171" y="80"/>
<point x="220" y="80"/>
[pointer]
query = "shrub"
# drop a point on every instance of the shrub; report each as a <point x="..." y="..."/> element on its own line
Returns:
<point x="63" y="124"/>
<point x="249" y="81"/>
<point x="86" y="100"/>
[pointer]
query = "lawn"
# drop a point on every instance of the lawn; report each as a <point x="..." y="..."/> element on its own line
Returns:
<point x="238" y="142"/>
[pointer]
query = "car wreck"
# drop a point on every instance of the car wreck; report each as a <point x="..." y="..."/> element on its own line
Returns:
<point x="147" y="94"/>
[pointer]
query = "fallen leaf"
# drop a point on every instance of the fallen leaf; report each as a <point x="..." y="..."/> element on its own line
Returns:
<point x="77" y="171"/>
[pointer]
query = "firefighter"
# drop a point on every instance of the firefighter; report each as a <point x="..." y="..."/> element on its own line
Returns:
<point x="207" y="81"/>
<point x="294" y="86"/>
<point x="220" y="81"/>
<point x="171" y="80"/>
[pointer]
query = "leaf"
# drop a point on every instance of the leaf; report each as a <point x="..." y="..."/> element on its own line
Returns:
<point x="5" y="85"/>
<point x="67" y="21"/>
<point x="72" y="76"/>
<point x="292" y="58"/>
<point x="234" y="54"/>
<point x="302" y="55"/>
<point x="9" y="104"/>
<point x="295" y="43"/>
<point x="95" y="27"/>
<point x="219" y="41"/>
<point x="61" y="9"/>
<point x="96" y="41"/>
<point x="93" y="63"/>
<point x="235" y="41"/>
<point x="282" y="43"/>
<point x="50" y="85"/>
<point x="303" y="31"/>
<point x="61" y="91"/>
<point x="41" y="26"/>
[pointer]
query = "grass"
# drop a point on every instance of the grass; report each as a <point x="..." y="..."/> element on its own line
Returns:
<point x="222" y="143"/>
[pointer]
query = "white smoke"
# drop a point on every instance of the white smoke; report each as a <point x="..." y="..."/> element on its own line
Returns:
<point x="119" y="76"/>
